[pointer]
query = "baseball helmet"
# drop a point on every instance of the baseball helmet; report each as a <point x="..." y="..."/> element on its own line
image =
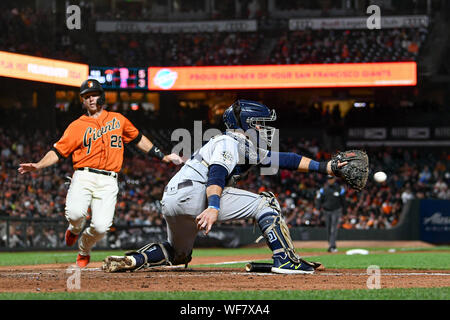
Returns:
<point x="92" y="85"/>
<point x="246" y="114"/>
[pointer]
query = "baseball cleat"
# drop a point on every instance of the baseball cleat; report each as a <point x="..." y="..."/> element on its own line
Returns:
<point x="70" y="238"/>
<point x="83" y="261"/>
<point x="118" y="263"/>
<point x="289" y="267"/>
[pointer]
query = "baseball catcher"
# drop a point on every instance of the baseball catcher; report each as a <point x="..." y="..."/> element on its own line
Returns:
<point x="202" y="192"/>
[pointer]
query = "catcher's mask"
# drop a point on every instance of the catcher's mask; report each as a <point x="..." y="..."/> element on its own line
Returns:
<point x="92" y="85"/>
<point x="246" y="114"/>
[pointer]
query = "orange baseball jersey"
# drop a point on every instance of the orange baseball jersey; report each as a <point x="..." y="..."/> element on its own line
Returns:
<point x="97" y="142"/>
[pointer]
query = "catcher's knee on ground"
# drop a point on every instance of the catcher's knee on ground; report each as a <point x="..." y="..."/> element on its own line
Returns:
<point x="151" y="255"/>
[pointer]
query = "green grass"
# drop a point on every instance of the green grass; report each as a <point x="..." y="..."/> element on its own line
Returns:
<point x="413" y="260"/>
<point x="406" y="259"/>
<point x="381" y="294"/>
<point x="263" y="250"/>
<point x="416" y="260"/>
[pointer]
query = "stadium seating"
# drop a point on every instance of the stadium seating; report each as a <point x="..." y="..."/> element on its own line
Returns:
<point x="348" y="46"/>
<point x="205" y="48"/>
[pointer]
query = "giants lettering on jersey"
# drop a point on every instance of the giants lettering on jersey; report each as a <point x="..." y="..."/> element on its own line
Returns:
<point x="94" y="133"/>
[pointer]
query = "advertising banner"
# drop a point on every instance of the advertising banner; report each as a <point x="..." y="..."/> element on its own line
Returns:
<point x="394" y="133"/>
<point x="283" y="76"/>
<point x="25" y="67"/>
<point x="435" y="221"/>
<point x="399" y="136"/>
<point x="358" y="23"/>
<point x="177" y="27"/>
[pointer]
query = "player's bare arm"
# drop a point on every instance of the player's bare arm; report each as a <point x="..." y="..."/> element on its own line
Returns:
<point x="208" y="217"/>
<point x="48" y="160"/>
<point x="216" y="183"/>
<point x="145" y="145"/>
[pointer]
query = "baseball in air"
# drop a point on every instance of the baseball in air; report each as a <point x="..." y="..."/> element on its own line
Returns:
<point x="380" y="176"/>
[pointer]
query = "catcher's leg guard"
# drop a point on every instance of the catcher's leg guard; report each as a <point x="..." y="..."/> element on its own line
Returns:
<point x="276" y="233"/>
<point x="150" y="255"/>
<point x="274" y="228"/>
<point x="278" y="238"/>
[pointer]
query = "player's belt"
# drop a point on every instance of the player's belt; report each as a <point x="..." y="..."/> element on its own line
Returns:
<point x="199" y="158"/>
<point x="183" y="184"/>
<point x="106" y="173"/>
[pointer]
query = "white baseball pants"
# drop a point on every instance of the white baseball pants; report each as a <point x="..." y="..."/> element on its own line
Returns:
<point x="181" y="206"/>
<point x="97" y="191"/>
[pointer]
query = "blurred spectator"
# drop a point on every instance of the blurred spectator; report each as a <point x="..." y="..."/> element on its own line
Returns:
<point x="16" y="238"/>
<point x="407" y="195"/>
<point x="440" y="189"/>
<point x="425" y="175"/>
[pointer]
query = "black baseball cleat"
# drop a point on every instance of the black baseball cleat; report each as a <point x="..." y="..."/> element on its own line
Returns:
<point x="286" y="266"/>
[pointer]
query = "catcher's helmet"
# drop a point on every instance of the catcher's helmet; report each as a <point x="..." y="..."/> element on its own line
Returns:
<point x="92" y="85"/>
<point x="246" y="114"/>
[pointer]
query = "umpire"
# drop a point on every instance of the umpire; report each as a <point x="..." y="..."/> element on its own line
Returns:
<point x="331" y="200"/>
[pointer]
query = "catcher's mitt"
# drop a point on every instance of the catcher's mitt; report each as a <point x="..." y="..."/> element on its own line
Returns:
<point x="356" y="171"/>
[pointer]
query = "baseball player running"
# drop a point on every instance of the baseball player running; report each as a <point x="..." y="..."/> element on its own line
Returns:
<point x="96" y="142"/>
<point x="202" y="192"/>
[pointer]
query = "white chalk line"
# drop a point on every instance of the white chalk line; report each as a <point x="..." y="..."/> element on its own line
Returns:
<point x="341" y="274"/>
<point x="228" y="262"/>
<point x="208" y="273"/>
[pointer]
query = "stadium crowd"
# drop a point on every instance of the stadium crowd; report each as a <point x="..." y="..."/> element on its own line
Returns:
<point x="348" y="46"/>
<point x="182" y="49"/>
<point x="22" y="32"/>
<point x="23" y="25"/>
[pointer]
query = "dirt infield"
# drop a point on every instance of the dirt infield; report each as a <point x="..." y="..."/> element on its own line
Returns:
<point x="54" y="278"/>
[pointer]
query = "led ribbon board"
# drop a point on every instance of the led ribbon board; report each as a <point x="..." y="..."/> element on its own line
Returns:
<point x="26" y="67"/>
<point x="283" y="76"/>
